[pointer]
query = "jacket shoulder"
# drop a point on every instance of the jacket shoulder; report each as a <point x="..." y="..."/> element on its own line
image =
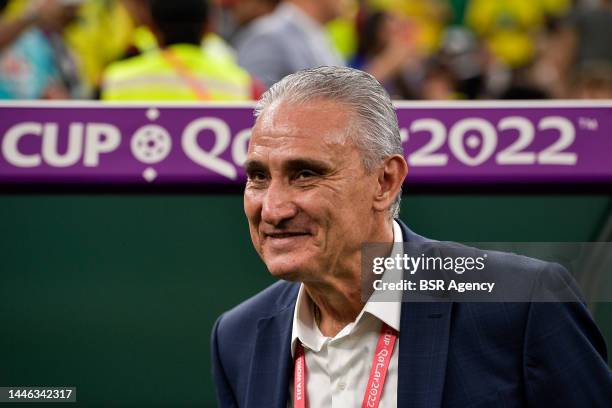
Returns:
<point x="274" y="299"/>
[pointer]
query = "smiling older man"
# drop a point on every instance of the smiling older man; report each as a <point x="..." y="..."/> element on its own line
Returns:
<point x="325" y="169"/>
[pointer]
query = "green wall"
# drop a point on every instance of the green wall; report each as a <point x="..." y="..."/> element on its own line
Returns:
<point x="117" y="294"/>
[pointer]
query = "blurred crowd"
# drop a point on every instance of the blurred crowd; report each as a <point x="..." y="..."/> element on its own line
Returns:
<point x="232" y="50"/>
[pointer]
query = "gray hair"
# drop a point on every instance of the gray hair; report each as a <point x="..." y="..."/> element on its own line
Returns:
<point x="375" y="131"/>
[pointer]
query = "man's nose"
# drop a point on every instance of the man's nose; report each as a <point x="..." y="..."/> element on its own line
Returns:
<point x="278" y="204"/>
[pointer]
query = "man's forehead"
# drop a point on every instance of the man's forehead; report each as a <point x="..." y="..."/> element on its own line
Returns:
<point x="316" y="131"/>
<point x="318" y="121"/>
<point x="288" y="148"/>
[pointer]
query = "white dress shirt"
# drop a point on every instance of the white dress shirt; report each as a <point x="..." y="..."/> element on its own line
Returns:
<point x="338" y="368"/>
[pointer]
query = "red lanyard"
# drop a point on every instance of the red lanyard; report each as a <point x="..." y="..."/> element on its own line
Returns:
<point x="182" y="70"/>
<point x="378" y="372"/>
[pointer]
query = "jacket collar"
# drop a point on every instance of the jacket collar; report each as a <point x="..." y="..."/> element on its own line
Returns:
<point x="271" y="366"/>
<point x="423" y="352"/>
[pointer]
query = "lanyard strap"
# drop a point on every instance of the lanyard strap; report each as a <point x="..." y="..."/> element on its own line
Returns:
<point x="299" y="378"/>
<point x="186" y="75"/>
<point x="378" y="372"/>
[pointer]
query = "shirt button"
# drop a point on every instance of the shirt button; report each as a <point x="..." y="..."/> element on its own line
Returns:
<point x="342" y="386"/>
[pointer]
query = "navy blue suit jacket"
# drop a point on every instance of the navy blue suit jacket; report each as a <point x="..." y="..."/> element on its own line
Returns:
<point x="450" y="354"/>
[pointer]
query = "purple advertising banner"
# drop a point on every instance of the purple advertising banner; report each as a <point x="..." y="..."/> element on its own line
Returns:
<point x="463" y="143"/>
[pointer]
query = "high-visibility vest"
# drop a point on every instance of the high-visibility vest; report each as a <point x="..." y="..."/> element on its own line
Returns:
<point x="212" y="44"/>
<point x="181" y="72"/>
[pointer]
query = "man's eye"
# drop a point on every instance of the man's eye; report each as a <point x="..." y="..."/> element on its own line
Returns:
<point x="257" y="176"/>
<point x="305" y="174"/>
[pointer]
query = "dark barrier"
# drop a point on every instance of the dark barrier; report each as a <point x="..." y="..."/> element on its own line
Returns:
<point x="117" y="294"/>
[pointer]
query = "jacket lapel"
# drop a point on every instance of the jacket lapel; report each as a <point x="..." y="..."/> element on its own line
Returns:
<point x="271" y="364"/>
<point x="423" y="351"/>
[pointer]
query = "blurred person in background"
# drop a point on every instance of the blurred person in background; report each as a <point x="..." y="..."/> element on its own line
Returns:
<point x="593" y="81"/>
<point x="475" y="73"/>
<point x="509" y="26"/>
<point x="591" y="51"/>
<point x="290" y="39"/>
<point x="551" y="70"/>
<point x="427" y="19"/>
<point x="520" y="37"/>
<point x="99" y="35"/>
<point x="454" y="66"/>
<point x="386" y="48"/>
<point x="592" y="29"/>
<point x="239" y="14"/>
<point x="142" y="37"/>
<point x="178" y="68"/>
<point x="438" y="82"/>
<point x="293" y="38"/>
<point x="35" y="62"/>
<point x="42" y="13"/>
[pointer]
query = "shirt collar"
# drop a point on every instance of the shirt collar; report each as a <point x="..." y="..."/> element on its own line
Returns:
<point x="306" y="330"/>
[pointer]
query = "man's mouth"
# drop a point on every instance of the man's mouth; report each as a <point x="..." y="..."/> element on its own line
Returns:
<point x="285" y="240"/>
<point x="279" y="235"/>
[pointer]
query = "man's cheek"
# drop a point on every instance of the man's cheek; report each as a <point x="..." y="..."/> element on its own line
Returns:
<point x="255" y="240"/>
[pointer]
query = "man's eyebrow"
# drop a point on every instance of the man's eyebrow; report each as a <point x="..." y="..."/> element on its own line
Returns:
<point x="290" y="165"/>
<point x="253" y="165"/>
<point x="318" y="166"/>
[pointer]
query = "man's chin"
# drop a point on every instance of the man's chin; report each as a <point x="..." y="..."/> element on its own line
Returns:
<point x="290" y="276"/>
<point x="289" y="271"/>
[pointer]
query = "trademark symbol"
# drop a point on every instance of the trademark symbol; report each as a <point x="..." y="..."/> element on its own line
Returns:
<point x="588" y="123"/>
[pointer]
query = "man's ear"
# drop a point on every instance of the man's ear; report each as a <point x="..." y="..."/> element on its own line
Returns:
<point x="391" y="176"/>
